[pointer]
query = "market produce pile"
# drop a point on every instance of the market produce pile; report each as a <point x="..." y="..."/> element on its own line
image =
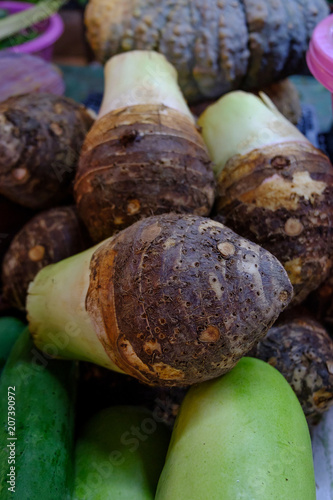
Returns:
<point x="160" y="268"/>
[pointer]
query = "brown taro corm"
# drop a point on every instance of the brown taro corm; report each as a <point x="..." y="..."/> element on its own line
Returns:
<point x="144" y="155"/>
<point x="302" y="350"/>
<point x="171" y="300"/>
<point x="281" y="197"/>
<point x="273" y="186"/>
<point x="190" y="298"/>
<point x="48" y="237"/>
<point x="40" y="140"/>
<point x="139" y="161"/>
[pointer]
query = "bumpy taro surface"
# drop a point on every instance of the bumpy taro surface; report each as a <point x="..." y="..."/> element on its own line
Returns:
<point x="139" y="161"/>
<point x="41" y="138"/>
<point x="180" y="299"/>
<point x="302" y="351"/>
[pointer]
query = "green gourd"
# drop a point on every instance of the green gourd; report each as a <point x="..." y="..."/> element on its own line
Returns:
<point x="10" y="329"/>
<point x="37" y="397"/>
<point x="242" y="436"/>
<point x="120" y="455"/>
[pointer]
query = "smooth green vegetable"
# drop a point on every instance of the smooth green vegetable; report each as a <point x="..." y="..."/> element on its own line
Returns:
<point x="120" y="455"/>
<point x="242" y="436"/>
<point x="36" y="408"/>
<point x="10" y="329"/>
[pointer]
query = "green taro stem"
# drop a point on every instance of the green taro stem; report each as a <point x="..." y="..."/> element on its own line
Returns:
<point x="146" y="78"/>
<point x="241" y="122"/>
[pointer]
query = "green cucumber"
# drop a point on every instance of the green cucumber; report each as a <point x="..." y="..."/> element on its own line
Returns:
<point x="120" y="455"/>
<point x="10" y="329"/>
<point x="38" y="464"/>
<point x="242" y="436"/>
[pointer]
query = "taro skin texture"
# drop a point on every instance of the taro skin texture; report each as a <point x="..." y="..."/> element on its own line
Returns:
<point x="50" y="236"/>
<point x="171" y="300"/>
<point x="139" y="161"/>
<point x="41" y="138"/>
<point x="281" y="197"/>
<point x="302" y="350"/>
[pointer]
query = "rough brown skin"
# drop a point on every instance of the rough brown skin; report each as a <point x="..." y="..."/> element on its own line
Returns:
<point x="40" y="140"/>
<point x="215" y="45"/>
<point x="140" y="161"/>
<point x="47" y="238"/>
<point x="281" y="197"/>
<point x="302" y="351"/>
<point x="177" y="300"/>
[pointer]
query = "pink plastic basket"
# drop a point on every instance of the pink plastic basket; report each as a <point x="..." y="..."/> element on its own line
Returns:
<point x="320" y="54"/>
<point x="41" y="46"/>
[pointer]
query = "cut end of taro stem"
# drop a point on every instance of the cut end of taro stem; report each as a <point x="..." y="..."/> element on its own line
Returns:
<point x="240" y="122"/>
<point x="146" y="78"/>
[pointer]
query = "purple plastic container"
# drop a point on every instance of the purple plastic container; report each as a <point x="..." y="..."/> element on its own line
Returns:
<point x="41" y="46"/>
<point x="320" y="54"/>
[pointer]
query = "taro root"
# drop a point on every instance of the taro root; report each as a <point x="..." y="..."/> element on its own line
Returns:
<point x="41" y="137"/>
<point x="302" y="351"/>
<point x="171" y="300"/>
<point x="215" y="45"/>
<point x="274" y="187"/>
<point x="48" y="237"/>
<point x="144" y="155"/>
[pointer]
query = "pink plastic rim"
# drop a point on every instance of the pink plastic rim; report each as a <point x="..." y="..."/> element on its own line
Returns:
<point x="320" y="54"/>
<point x="47" y="38"/>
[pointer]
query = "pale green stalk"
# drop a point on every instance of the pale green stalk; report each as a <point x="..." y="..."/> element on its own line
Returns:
<point x="141" y="77"/>
<point x="240" y="122"/>
<point x="57" y="313"/>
